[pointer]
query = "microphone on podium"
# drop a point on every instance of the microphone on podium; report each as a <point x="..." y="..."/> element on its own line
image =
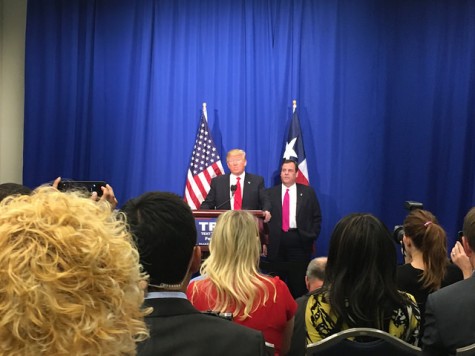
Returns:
<point x="233" y="191"/>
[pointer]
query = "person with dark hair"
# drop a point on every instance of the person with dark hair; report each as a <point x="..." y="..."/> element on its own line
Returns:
<point x="360" y="287"/>
<point x="8" y="189"/>
<point x="449" y="311"/>
<point x="165" y="230"/>
<point x="293" y="229"/>
<point x="425" y="245"/>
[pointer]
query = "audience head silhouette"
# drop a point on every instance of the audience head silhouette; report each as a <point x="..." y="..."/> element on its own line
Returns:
<point x="423" y="233"/>
<point x="10" y="189"/>
<point x="165" y="230"/>
<point x="69" y="281"/>
<point x="233" y="263"/>
<point x="469" y="228"/>
<point x="315" y="275"/>
<point x="361" y="271"/>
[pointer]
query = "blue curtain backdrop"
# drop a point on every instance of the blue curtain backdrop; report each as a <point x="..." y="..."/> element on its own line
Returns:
<point x="385" y="92"/>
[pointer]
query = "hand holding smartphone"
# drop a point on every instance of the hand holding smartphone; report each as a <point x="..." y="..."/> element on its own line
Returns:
<point x="85" y="186"/>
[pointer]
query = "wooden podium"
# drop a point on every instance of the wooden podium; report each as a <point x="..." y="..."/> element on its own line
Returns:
<point x="206" y="219"/>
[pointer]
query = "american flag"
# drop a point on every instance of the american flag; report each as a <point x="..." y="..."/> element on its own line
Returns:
<point x="294" y="147"/>
<point x="205" y="164"/>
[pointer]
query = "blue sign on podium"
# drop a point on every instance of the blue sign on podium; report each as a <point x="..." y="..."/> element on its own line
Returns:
<point x="204" y="229"/>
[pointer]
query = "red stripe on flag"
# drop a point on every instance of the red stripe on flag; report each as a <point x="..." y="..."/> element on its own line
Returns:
<point x="198" y="182"/>
<point x="192" y="195"/>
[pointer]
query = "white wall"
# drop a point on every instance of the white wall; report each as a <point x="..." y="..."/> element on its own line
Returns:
<point x="12" y="73"/>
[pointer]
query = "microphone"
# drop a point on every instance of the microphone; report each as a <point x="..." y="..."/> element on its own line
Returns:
<point x="233" y="191"/>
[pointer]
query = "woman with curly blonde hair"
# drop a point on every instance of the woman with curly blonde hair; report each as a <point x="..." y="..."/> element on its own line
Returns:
<point x="69" y="281"/>
<point x="232" y="283"/>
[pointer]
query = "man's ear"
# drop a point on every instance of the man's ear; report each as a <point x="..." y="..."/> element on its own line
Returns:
<point x="466" y="246"/>
<point x="307" y="283"/>
<point x="196" y="260"/>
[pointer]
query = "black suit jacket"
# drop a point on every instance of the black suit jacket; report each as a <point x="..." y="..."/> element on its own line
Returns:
<point x="308" y="216"/>
<point x="449" y="318"/>
<point x="177" y="328"/>
<point x="253" y="198"/>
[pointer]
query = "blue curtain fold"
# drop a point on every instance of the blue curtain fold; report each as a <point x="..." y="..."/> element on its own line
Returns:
<point x="385" y="93"/>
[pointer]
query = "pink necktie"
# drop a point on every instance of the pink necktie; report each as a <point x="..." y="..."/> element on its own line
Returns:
<point x="238" y="195"/>
<point x="286" y="211"/>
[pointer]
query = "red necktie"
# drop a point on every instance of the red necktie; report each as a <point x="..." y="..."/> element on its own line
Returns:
<point x="238" y="195"/>
<point x="286" y="211"/>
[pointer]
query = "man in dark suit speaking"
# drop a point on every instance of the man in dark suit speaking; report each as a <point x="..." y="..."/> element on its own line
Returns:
<point x="238" y="189"/>
<point x="165" y="231"/>
<point x="293" y="229"/>
<point x="449" y="322"/>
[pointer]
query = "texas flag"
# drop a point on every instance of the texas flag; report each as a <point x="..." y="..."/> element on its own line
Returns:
<point x="294" y="147"/>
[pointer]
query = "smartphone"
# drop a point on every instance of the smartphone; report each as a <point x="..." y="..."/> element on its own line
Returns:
<point x="87" y="186"/>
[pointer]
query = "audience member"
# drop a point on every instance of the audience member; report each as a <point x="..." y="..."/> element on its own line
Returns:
<point x="7" y="189"/>
<point x="70" y="278"/>
<point x="166" y="235"/>
<point x="314" y="279"/>
<point x="425" y="244"/>
<point x="238" y="189"/>
<point x="315" y="275"/>
<point x="360" y="287"/>
<point x="231" y="282"/>
<point x="293" y="229"/>
<point x="460" y="259"/>
<point x="449" y="322"/>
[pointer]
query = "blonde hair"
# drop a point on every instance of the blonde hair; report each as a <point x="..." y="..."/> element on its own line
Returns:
<point x="69" y="278"/>
<point x="232" y="267"/>
<point x="235" y="152"/>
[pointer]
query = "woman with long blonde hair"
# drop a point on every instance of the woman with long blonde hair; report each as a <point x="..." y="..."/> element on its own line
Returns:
<point x="231" y="282"/>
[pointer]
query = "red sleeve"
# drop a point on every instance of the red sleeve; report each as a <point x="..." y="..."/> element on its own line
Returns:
<point x="284" y="295"/>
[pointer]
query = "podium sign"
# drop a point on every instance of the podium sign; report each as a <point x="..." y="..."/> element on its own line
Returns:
<point x="204" y="229"/>
<point x="205" y="221"/>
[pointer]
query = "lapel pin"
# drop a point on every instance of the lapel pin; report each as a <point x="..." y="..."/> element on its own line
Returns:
<point x="301" y="194"/>
<point x="248" y="182"/>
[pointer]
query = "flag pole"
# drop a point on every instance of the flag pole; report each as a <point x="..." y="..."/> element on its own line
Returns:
<point x="294" y="105"/>
<point x="205" y="113"/>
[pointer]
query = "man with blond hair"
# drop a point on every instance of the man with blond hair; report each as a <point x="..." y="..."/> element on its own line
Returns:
<point x="237" y="190"/>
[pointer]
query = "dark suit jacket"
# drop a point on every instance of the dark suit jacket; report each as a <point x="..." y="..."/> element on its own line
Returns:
<point x="308" y="216"/>
<point x="450" y="318"/>
<point x="298" y="345"/>
<point x="177" y="328"/>
<point x="254" y="197"/>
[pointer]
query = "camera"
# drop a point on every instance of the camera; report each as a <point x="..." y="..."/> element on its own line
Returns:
<point x="398" y="232"/>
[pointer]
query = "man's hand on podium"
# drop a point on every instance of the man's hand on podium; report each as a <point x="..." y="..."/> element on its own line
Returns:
<point x="264" y="251"/>
<point x="267" y="216"/>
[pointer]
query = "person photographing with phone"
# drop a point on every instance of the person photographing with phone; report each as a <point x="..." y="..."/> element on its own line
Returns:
<point x="102" y="192"/>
